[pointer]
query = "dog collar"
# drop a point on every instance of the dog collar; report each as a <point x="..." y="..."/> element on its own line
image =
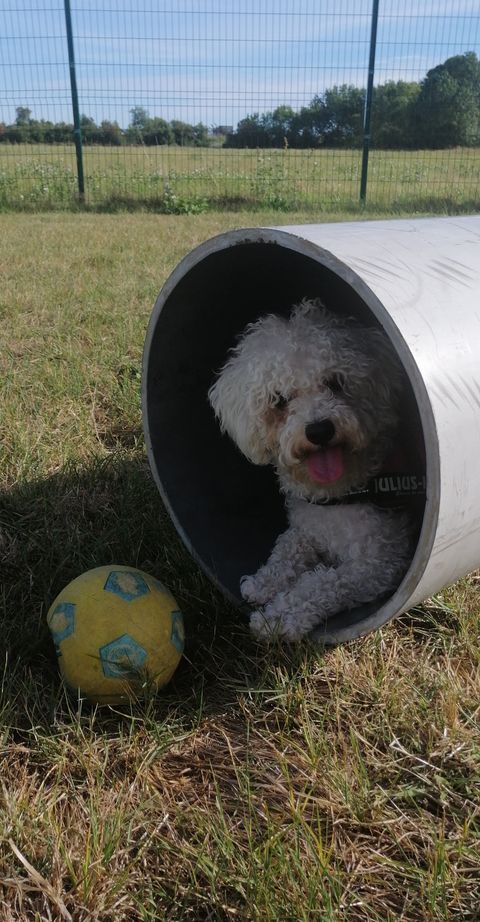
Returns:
<point x="387" y="490"/>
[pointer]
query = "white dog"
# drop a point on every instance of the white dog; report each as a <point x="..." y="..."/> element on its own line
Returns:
<point x="318" y="397"/>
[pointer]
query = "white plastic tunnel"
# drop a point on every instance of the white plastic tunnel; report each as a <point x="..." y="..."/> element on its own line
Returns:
<point x="417" y="279"/>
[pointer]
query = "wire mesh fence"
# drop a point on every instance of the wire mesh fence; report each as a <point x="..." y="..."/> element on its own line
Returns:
<point x="186" y="105"/>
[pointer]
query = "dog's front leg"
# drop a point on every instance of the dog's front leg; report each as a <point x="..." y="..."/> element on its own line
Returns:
<point x="324" y="591"/>
<point x="292" y="555"/>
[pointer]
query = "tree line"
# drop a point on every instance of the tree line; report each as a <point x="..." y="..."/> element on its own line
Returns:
<point x="142" y="130"/>
<point x="442" y="110"/>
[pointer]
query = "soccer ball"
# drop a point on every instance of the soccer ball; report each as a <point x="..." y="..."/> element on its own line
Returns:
<point x="118" y="634"/>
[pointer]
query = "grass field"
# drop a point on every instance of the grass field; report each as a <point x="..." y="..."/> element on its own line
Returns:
<point x="269" y="786"/>
<point x="189" y="180"/>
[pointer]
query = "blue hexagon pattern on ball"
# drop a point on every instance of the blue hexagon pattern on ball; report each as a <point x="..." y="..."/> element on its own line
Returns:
<point x="62" y="622"/>
<point x="127" y="585"/>
<point x="177" y="636"/>
<point x="122" y="657"/>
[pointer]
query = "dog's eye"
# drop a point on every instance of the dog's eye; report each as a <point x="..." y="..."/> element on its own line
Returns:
<point x="279" y="402"/>
<point x="335" y="384"/>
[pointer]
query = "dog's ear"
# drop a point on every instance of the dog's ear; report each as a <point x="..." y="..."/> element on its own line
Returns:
<point x="238" y="402"/>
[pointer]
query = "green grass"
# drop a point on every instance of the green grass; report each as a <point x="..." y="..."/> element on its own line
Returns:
<point x="192" y="180"/>
<point x="279" y="785"/>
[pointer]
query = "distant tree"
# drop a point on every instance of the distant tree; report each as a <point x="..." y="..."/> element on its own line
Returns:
<point x="36" y="132"/>
<point x="277" y="125"/>
<point x="139" y="118"/>
<point x="447" y="110"/>
<point x="186" y="135"/>
<point x="110" y="133"/>
<point x="343" y="113"/>
<point x="250" y="133"/>
<point x="23" y="115"/>
<point x="48" y="130"/>
<point x="393" y="123"/>
<point x="89" y="129"/>
<point x="183" y="133"/>
<point x="19" y="132"/>
<point x="201" y="137"/>
<point x="58" y="133"/>
<point x="157" y="132"/>
<point x="308" y="126"/>
<point x="336" y="118"/>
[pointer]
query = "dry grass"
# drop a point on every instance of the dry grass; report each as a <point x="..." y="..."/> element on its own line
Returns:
<point x="331" y="787"/>
<point x="288" y="785"/>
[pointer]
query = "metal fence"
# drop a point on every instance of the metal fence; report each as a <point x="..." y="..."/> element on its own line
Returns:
<point x="186" y="105"/>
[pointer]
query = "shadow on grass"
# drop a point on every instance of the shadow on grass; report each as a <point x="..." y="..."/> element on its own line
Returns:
<point x="110" y="512"/>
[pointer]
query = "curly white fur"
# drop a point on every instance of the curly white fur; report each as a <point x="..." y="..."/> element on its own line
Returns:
<point x="317" y="396"/>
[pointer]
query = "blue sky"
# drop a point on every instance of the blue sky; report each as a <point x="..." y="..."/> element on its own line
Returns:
<point x="215" y="61"/>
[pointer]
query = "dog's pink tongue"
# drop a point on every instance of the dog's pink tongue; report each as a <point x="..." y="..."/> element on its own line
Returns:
<point x="327" y="465"/>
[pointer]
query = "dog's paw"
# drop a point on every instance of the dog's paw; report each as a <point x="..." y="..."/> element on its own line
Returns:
<point x="247" y="588"/>
<point x="256" y="591"/>
<point x="267" y="625"/>
<point x="262" y="628"/>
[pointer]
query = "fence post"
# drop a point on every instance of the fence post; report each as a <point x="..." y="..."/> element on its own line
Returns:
<point x="77" y="129"/>
<point x="368" y="102"/>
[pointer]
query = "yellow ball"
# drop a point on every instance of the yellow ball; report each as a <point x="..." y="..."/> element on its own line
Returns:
<point x="118" y="632"/>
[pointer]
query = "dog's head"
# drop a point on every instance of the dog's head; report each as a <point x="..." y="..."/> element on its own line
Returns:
<point x="315" y="395"/>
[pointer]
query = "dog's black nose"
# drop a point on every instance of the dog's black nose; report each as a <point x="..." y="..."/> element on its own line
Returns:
<point x="320" y="433"/>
